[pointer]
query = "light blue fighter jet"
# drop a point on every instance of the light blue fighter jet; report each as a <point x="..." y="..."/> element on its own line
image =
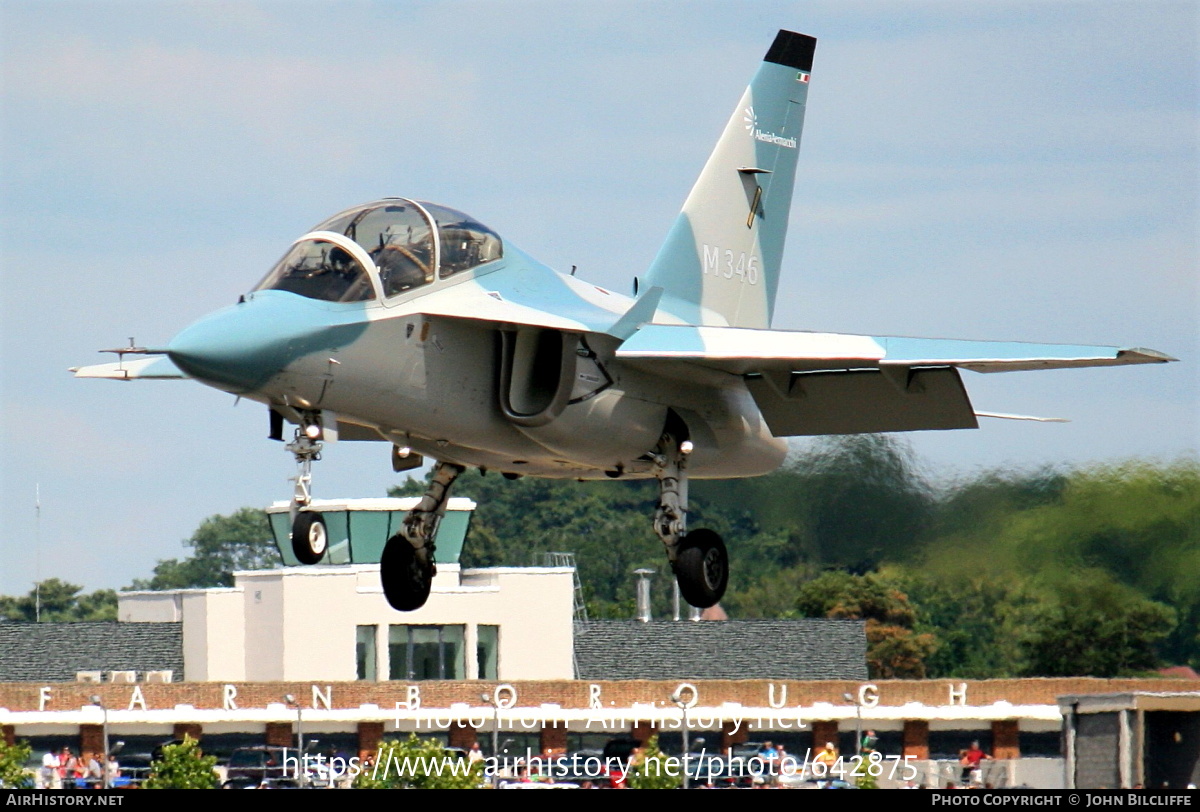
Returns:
<point x="410" y="323"/>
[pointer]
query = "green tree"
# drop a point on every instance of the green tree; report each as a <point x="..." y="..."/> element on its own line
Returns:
<point x="973" y="618"/>
<point x="978" y="561"/>
<point x="221" y="545"/>
<point x="1090" y="625"/>
<point x="13" y="774"/>
<point x="652" y="770"/>
<point x="60" y="601"/>
<point x="183" y="766"/>
<point x="894" y="649"/>
<point x="865" y="780"/>
<point x="771" y="595"/>
<point x="850" y="502"/>
<point x="416" y="763"/>
<point x="1136" y="522"/>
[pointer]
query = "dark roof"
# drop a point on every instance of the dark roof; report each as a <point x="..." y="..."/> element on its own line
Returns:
<point x="54" y="652"/>
<point x="730" y="649"/>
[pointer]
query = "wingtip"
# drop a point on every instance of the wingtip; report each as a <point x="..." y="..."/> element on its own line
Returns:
<point x="1146" y="356"/>
<point x="1029" y="417"/>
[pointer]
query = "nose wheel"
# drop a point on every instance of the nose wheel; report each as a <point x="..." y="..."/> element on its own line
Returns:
<point x="310" y="539"/>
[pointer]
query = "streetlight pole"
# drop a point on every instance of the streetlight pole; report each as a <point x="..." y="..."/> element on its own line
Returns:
<point x="104" y="762"/>
<point x="677" y="698"/>
<point x="300" y="762"/>
<point x="491" y="700"/>
<point x="857" y="723"/>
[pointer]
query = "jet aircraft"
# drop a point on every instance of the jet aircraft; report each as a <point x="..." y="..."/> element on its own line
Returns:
<point x="410" y="323"/>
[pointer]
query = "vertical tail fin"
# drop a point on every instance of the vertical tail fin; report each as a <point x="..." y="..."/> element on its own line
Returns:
<point x="721" y="259"/>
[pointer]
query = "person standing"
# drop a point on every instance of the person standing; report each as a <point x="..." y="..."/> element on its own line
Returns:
<point x="93" y="772"/>
<point x="825" y="765"/>
<point x="48" y="777"/>
<point x="112" y="771"/>
<point x="971" y="759"/>
<point x="66" y="768"/>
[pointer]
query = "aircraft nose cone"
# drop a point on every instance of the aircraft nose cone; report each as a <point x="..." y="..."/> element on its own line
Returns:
<point x="242" y="348"/>
<point x="229" y="349"/>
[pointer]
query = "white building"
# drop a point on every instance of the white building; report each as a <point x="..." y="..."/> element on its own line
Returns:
<point x="332" y="623"/>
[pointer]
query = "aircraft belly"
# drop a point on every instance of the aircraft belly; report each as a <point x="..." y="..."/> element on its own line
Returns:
<point x="610" y="431"/>
<point x="731" y="439"/>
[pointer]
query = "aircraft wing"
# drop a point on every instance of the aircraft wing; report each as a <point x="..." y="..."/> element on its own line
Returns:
<point x="829" y="383"/>
<point x="156" y="367"/>
<point x="741" y="350"/>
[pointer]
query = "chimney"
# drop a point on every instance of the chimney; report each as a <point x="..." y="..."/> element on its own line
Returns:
<point x="643" y="594"/>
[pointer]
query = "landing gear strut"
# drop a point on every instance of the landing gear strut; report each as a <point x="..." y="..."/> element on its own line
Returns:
<point x="310" y="539"/>
<point x="407" y="566"/>
<point x="698" y="559"/>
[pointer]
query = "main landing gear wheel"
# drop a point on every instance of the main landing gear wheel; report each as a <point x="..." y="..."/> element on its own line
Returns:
<point x="310" y="539"/>
<point x="702" y="568"/>
<point x="406" y="578"/>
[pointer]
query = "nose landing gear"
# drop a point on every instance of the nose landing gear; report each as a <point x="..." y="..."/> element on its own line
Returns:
<point x="310" y="539"/>
<point x="699" y="558"/>
<point x="407" y="567"/>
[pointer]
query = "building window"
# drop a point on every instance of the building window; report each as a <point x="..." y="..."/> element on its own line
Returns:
<point x="364" y="652"/>
<point x="487" y="651"/>
<point x="426" y="652"/>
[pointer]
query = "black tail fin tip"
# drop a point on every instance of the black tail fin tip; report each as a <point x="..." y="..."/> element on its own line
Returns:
<point x="792" y="50"/>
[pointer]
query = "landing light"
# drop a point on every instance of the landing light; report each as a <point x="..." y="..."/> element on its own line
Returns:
<point x="403" y="451"/>
<point x="313" y="431"/>
<point x="686" y="447"/>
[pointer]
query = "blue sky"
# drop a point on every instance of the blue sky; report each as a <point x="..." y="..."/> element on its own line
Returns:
<point x="972" y="170"/>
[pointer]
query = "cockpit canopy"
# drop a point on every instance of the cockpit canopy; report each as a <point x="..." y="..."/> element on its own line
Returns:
<point x="405" y="243"/>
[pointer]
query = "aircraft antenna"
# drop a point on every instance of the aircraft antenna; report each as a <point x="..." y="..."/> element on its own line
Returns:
<point x="37" y="545"/>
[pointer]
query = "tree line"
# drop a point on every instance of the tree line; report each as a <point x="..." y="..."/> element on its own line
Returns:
<point x="1051" y="572"/>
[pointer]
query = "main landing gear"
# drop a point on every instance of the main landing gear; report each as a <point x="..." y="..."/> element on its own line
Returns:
<point x="698" y="559"/>
<point x="407" y="566"/>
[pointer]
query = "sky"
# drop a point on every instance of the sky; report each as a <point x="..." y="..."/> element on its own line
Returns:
<point x="1007" y="171"/>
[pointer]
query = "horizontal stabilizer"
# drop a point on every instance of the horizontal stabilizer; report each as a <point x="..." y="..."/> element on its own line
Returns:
<point x="156" y="368"/>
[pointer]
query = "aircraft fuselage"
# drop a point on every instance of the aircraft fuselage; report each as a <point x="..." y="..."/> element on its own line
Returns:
<point x="398" y="371"/>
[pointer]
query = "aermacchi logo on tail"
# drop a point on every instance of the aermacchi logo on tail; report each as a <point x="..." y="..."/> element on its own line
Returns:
<point x="751" y="121"/>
